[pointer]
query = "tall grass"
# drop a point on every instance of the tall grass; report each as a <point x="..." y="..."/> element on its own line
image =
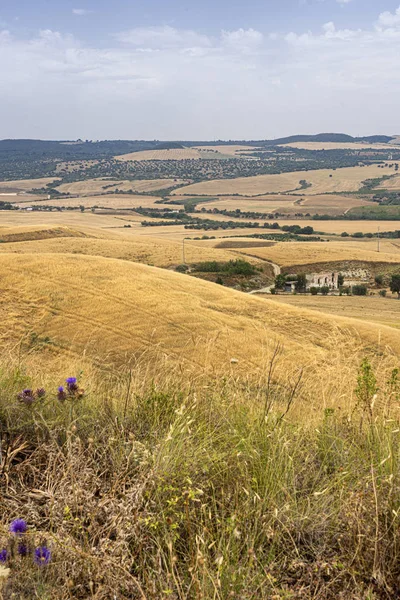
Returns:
<point x="158" y="487"/>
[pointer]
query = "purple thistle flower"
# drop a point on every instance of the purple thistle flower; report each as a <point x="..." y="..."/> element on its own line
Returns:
<point x="22" y="549"/>
<point x="18" y="527"/>
<point x="71" y="384"/>
<point x="27" y="396"/>
<point x="40" y="392"/>
<point x="42" y="556"/>
<point x="61" y="395"/>
<point x="3" y="555"/>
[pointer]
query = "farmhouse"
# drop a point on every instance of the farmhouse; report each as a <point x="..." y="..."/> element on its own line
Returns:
<point x="327" y="279"/>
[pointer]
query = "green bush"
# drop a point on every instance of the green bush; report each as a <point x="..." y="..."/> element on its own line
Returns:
<point x="359" y="290"/>
<point x="324" y="290"/>
<point x="182" y="268"/>
<point x="314" y="291"/>
<point x="383" y="293"/>
<point x="379" y="280"/>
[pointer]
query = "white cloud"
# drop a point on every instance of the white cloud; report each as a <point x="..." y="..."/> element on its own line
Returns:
<point x="388" y="19"/>
<point x="162" y="37"/>
<point x="164" y="82"/>
<point x="80" y="12"/>
<point x="343" y="1"/>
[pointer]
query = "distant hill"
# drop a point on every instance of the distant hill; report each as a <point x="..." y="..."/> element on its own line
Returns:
<point x="329" y="137"/>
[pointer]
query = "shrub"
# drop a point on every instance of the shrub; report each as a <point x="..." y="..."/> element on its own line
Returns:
<point x="359" y="290"/>
<point x="182" y="268"/>
<point x="314" y="291"/>
<point x="379" y="280"/>
<point x="383" y="293"/>
<point x="324" y="290"/>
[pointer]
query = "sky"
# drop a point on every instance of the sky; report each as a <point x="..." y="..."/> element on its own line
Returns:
<point x="191" y="70"/>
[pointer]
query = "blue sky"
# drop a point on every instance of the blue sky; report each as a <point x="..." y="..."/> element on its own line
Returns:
<point x="198" y="70"/>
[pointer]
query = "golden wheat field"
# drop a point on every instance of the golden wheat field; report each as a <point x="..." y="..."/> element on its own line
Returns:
<point x="369" y="308"/>
<point x="330" y="204"/>
<point x="174" y="154"/>
<point x="102" y="185"/>
<point x="112" y="310"/>
<point x="112" y="201"/>
<point x="231" y="150"/>
<point x="25" y="185"/>
<point x="392" y="184"/>
<point x="348" y="179"/>
<point x="312" y="253"/>
<point x="150" y="251"/>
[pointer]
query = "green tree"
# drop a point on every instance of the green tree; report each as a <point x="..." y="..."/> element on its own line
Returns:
<point x="395" y="284"/>
<point x="359" y="290"/>
<point x="280" y="281"/>
<point x="301" y="282"/>
<point x="340" y="279"/>
<point x="325" y="290"/>
<point x="379" y="280"/>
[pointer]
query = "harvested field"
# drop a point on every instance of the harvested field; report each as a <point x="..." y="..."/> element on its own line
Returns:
<point x="369" y="308"/>
<point x="101" y="186"/>
<point x="329" y="204"/>
<point x="348" y="179"/>
<point x="310" y="253"/>
<point x="111" y="309"/>
<point x="175" y="154"/>
<point x="114" y="201"/>
<point x="391" y="184"/>
<point x="231" y="151"/>
<point x="25" y="185"/>
<point x="149" y="251"/>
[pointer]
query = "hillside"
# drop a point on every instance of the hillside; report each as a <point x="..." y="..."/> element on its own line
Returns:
<point x="112" y="309"/>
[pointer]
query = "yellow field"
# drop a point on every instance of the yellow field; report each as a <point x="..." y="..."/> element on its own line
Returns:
<point x="174" y="154"/>
<point x="150" y="251"/>
<point x="228" y="150"/>
<point x="339" y="146"/>
<point x="322" y="181"/>
<point x="101" y="185"/>
<point x="369" y="308"/>
<point x="114" y="201"/>
<point x="111" y="310"/>
<point x="391" y="184"/>
<point x="304" y="253"/>
<point x="25" y="185"/>
<point x="289" y="204"/>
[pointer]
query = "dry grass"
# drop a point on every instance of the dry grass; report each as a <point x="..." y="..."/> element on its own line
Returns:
<point x="113" y="309"/>
<point x="174" y="154"/>
<point x="391" y="184"/>
<point x="99" y="186"/>
<point x="369" y="308"/>
<point x="114" y="201"/>
<point x="25" y="185"/>
<point x="237" y="151"/>
<point x="287" y="204"/>
<point x="22" y="234"/>
<point x="150" y="251"/>
<point x="348" y="179"/>
<point x="310" y="253"/>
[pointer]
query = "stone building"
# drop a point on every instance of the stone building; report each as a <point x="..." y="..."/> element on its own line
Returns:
<point x="329" y="279"/>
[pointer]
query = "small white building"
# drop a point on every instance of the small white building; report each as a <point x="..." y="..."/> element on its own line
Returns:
<point x="326" y="279"/>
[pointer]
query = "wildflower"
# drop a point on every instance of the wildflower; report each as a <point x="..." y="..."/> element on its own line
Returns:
<point x="27" y="396"/>
<point x="42" y="556"/>
<point x="3" y="555"/>
<point x="22" y="549"/>
<point x="18" y="527"/>
<point x="72" y="384"/>
<point x="61" y="395"/>
<point x="40" y="392"/>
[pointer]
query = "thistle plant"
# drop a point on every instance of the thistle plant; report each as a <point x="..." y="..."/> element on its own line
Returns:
<point x="19" y="546"/>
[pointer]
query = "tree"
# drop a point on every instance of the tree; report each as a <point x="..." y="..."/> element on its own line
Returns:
<point x="280" y="281"/>
<point x="301" y="282"/>
<point x="379" y="280"/>
<point x="395" y="284"/>
<point x="325" y="290"/>
<point x="340" y="279"/>
<point x="314" y="291"/>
